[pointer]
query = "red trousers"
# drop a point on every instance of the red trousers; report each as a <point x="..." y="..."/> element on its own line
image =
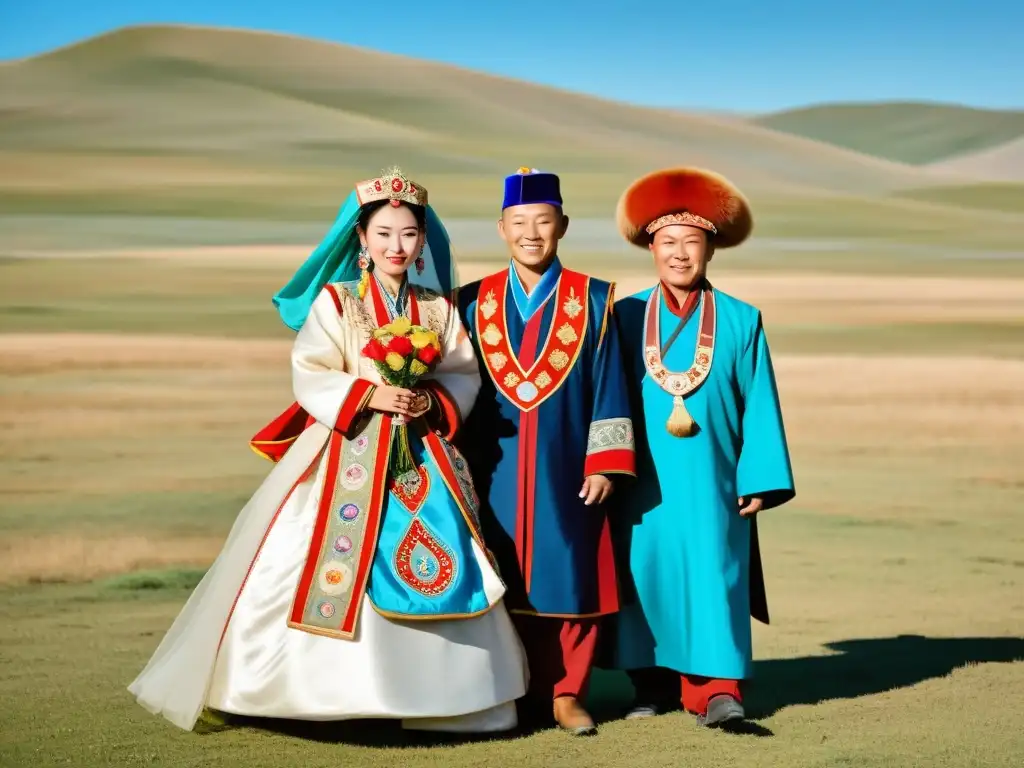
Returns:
<point x="560" y="653"/>
<point x="656" y="685"/>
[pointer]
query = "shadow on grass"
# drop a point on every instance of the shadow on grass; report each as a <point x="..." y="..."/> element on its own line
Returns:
<point x="871" y="665"/>
<point x="857" y="668"/>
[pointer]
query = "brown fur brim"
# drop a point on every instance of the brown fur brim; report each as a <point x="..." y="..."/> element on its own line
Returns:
<point x="675" y="190"/>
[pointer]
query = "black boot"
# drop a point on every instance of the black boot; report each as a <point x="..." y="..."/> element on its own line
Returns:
<point x="722" y="710"/>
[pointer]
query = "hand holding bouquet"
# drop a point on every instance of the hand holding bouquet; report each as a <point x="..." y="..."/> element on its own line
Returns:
<point x="403" y="353"/>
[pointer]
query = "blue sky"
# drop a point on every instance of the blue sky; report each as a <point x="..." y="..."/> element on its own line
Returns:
<point x="741" y="55"/>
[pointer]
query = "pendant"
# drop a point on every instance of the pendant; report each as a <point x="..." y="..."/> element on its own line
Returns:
<point x="680" y="423"/>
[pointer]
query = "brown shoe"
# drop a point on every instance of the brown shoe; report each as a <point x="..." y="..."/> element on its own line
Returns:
<point x="571" y="717"/>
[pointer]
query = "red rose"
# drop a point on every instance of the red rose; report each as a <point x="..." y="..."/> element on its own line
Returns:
<point x="428" y="355"/>
<point x="400" y="345"/>
<point x="375" y="351"/>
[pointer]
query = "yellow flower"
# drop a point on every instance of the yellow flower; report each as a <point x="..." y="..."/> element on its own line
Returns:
<point x="395" y="361"/>
<point x="417" y="368"/>
<point x="400" y="326"/>
<point x="423" y="338"/>
<point x="383" y="334"/>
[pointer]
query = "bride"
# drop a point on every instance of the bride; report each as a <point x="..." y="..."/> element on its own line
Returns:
<point x="340" y="592"/>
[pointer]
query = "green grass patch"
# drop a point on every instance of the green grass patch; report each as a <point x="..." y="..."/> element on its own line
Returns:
<point x="172" y="580"/>
<point x="992" y="197"/>
<point x="915" y="133"/>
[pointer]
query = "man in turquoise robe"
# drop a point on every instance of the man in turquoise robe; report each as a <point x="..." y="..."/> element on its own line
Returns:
<point x="711" y="455"/>
<point x="550" y="425"/>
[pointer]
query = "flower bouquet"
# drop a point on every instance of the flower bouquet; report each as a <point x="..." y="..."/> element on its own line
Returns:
<point x="403" y="353"/>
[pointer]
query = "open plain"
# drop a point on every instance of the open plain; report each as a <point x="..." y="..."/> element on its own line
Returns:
<point x="158" y="185"/>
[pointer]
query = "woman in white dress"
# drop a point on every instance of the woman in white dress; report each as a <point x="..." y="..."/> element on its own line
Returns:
<point x="344" y="591"/>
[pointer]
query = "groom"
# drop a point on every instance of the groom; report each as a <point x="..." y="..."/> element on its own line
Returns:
<point x="549" y="428"/>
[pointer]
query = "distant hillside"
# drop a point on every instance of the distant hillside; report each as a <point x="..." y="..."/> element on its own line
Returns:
<point x="907" y="133"/>
<point x="198" y="123"/>
<point x="255" y="115"/>
<point x="1002" y="163"/>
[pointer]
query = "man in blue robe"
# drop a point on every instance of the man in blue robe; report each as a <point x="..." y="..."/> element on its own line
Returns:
<point x="711" y="455"/>
<point x="550" y="425"/>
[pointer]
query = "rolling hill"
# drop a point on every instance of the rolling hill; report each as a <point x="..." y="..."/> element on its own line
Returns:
<point x="1004" y="162"/>
<point x="914" y="133"/>
<point x="227" y="124"/>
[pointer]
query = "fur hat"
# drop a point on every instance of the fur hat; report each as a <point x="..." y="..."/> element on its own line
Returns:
<point x="684" y="196"/>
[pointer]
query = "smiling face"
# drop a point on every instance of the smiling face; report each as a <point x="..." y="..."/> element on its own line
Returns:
<point x="394" y="238"/>
<point x="532" y="232"/>
<point x="681" y="255"/>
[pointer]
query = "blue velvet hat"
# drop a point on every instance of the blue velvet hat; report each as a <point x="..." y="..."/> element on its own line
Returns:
<point x="528" y="186"/>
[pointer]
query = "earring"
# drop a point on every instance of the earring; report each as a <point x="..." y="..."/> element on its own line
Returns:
<point x="364" y="259"/>
<point x="420" y="265"/>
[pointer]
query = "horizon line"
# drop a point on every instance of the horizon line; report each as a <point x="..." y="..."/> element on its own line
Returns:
<point x="692" y="109"/>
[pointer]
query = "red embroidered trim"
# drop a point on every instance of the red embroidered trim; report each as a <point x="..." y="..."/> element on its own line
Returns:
<point x="450" y="412"/>
<point x="413" y="501"/>
<point x="357" y="398"/>
<point x="528" y="389"/>
<point x="619" y="461"/>
<point x="373" y="521"/>
<point x="333" y="290"/>
<point x="417" y="574"/>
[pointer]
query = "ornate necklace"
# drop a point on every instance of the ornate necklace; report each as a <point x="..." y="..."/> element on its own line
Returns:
<point x="680" y="423"/>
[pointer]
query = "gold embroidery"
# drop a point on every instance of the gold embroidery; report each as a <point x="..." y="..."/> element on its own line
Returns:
<point x="572" y="306"/>
<point x="497" y="360"/>
<point x="489" y="307"/>
<point x="690" y="219"/>
<point x="511" y="379"/>
<point x="542" y="380"/>
<point x="566" y="335"/>
<point x="491" y="335"/>
<point x="391" y="185"/>
<point x="558" y="359"/>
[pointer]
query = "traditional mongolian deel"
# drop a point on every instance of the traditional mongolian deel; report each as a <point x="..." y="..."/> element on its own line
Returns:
<point x="690" y="554"/>
<point x="343" y="592"/>
<point x="553" y="409"/>
<point x="692" y="563"/>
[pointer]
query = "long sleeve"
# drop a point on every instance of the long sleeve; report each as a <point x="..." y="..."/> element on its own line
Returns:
<point x="611" y="447"/>
<point x="455" y="382"/>
<point x="764" y="467"/>
<point x="322" y="386"/>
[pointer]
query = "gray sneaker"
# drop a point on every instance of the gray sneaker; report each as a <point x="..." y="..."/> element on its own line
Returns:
<point x="642" y="712"/>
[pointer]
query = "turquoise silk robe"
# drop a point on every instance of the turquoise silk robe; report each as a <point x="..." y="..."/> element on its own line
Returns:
<point x="690" y="562"/>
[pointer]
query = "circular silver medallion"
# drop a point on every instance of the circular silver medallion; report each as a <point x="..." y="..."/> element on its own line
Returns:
<point x="527" y="391"/>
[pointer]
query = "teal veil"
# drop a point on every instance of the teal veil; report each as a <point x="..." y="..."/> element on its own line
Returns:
<point x="336" y="260"/>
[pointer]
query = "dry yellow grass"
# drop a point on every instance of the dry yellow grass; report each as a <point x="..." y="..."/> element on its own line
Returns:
<point x="74" y="557"/>
<point x="128" y="452"/>
<point x="185" y="400"/>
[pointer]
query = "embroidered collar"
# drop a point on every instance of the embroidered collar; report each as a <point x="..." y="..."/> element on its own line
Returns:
<point x="529" y="303"/>
<point x="689" y="303"/>
<point x="383" y="305"/>
<point x="528" y="388"/>
<point x="393" y="305"/>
